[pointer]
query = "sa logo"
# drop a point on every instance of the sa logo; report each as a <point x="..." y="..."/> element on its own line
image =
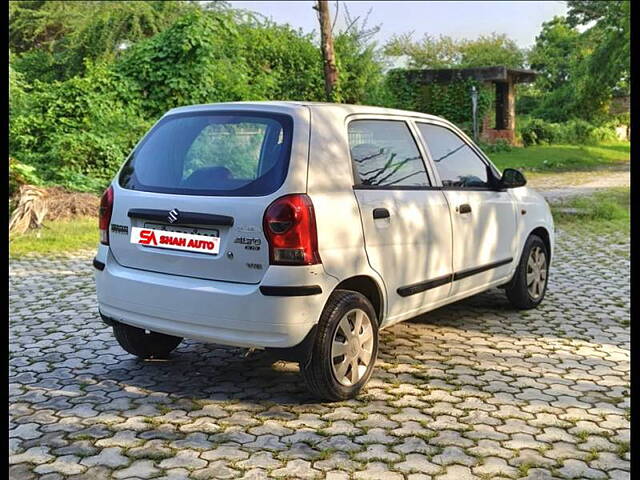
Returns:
<point x="147" y="237"/>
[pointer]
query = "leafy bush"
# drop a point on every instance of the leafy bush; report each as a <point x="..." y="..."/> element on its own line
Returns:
<point x="83" y="127"/>
<point x="451" y="101"/>
<point x="501" y="145"/>
<point x="21" y="174"/>
<point x="577" y="131"/>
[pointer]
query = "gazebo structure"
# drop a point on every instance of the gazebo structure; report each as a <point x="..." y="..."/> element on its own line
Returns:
<point x="502" y="78"/>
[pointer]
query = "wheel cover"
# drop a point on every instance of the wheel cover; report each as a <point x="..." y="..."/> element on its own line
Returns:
<point x="352" y="347"/>
<point x="536" y="272"/>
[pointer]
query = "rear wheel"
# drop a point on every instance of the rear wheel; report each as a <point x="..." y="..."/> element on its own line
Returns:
<point x="138" y="342"/>
<point x="345" y="348"/>
<point x="529" y="284"/>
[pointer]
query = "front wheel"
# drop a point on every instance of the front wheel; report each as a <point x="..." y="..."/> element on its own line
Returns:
<point x="345" y="348"/>
<point x="529" y="284"/>
<point x="143" y="343"/>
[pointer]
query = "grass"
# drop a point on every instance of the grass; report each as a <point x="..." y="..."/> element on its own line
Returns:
<point x="56" y="237"/>
<point x="545" y="158"/>
<point x="607" y="210"/>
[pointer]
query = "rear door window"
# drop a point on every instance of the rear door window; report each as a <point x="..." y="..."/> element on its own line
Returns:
<point x="237" y="154"/>
<point x="385" y="154"/>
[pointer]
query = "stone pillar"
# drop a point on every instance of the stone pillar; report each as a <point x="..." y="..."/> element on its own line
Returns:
<point x="511" y="105"/>
<point x="502" y="105"/>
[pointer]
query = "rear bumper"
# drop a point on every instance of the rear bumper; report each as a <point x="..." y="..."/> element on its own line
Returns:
<point x="212" y="311"/>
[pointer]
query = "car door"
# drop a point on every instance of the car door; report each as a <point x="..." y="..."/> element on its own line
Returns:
<point x="483" y="218"/>
<point x="406" y="222"/>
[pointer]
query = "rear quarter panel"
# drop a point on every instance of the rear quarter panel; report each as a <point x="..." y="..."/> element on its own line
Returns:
<point x="330" y="186"/>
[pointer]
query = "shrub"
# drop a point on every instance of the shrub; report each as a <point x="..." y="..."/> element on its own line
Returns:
<point x="21" y="174"/>
<point x="577" y="131"/>
<point x="537" y="132"/>
<point x="501" y="145"/>
<point x="80" y="129"/>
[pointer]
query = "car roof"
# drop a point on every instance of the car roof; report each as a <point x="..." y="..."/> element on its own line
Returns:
<point x="346" y="109"/>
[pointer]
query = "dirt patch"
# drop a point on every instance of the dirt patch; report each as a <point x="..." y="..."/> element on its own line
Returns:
<point x="555" y="186"/>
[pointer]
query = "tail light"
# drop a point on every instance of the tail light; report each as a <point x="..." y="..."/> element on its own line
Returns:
<point x="106" y="208"/>
<point x="290" y="227"/>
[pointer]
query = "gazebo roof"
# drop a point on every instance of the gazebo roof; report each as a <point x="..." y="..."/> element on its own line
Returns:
<point x="484" y="74"/>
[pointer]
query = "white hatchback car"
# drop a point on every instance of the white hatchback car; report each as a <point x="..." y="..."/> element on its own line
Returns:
<point x="305" y="228"/>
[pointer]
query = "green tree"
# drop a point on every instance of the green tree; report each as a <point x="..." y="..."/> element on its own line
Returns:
<point x="607" y="26"/>
<point x="556" y="56"/>
<point x="580" y="71"/>
<point x="555" y="53"/>
<point x="491" y="50"/>
<point x="445" y="52"/>
<point x="428" y="52"/>
<point x="54" y="38"/>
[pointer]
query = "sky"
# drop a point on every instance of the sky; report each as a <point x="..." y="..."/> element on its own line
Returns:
<point x="520" y="20"/>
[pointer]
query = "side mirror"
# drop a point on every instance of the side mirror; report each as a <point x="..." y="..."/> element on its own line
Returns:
<point x="512" y="178"/>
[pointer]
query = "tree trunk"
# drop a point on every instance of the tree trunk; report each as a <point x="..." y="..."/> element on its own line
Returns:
<point x="330" y="68"/>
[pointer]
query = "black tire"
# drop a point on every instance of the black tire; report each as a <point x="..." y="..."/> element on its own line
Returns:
<point x="517" y="290"/>
<point x="144" y="345"/>
<point x="318" y="371"/>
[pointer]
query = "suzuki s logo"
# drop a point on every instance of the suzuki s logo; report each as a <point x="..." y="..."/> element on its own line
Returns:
<point x="173" y="215"/>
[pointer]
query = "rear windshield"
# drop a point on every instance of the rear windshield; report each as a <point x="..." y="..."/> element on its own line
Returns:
<point x="231" y="153"/>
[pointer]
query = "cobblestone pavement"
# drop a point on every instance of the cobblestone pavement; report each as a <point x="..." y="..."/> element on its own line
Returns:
<point x="472" y="390"/>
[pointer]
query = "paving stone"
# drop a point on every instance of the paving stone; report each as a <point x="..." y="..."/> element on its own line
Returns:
<point x="26" y="431"/>
<point x="488" y="448"/>
<point x="414" y="445"/>
<point x="139" y="469"/>
<point x="153" y="450"/>
<point x="255" y="474"/>
<point x="578" y="469"/>
<point x="298" y="450"/>
<point x="197" y="441"/>
<point x="262" y="460"/>
<point x="480" y="390"/>
<point x="377" y="471"/>
<point x="217" y="469"/>
<point x="494" y="467"/>
<point x="22" y="471"/>
<point x="377" y="452"/>
<point x="336" y="475"/>
<point x="65" y="464"/>
<point x="336" y="460"/>
<point x="416" y="462"/>
<point x="297" y="469"/>
<point x="226" y="452"/>
<point x="35" y="455"/>
<point x="110" y="457"/>
<point x="184" y="459"/>
<point x="453" y="455"/>
<point x="539" y="474"/>
<point x="456" y="472"/>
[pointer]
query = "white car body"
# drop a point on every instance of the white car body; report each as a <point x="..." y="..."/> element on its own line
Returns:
<point x="425" y="254"/>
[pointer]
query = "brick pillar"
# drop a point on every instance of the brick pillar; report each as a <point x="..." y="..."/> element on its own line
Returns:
<point x="511" y="105"/>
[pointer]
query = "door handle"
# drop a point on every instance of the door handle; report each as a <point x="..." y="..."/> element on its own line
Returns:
<point x="464" y="208"/>
<point x="380" y="213"/>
